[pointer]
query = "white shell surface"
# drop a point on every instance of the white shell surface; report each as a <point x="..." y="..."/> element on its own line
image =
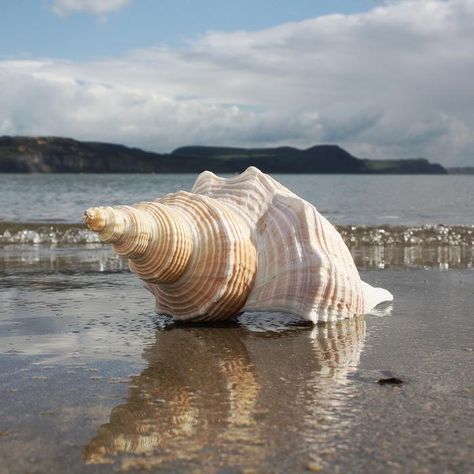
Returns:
<point x="304" y="267"/>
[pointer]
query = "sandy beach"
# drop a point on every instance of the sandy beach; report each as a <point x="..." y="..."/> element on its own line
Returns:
<point x="93" y="381"/>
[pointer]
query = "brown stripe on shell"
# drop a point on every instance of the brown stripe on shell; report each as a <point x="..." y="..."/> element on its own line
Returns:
<point x="219" y="279"/>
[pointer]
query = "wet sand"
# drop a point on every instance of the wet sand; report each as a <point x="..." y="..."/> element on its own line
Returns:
<point x="91" y="380"/>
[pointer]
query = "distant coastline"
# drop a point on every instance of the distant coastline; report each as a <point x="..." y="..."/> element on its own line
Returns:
<point x="461" y="170"/>
<point x="22" y="154"/>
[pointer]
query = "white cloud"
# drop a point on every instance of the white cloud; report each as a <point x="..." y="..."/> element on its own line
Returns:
<point x="392" y="82"/>
<point x="93" y="7"/>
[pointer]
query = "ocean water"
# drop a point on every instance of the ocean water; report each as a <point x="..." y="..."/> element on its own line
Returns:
<point x="343" y="199"/>
<point x="404" y="221"/>
<point x="92" y="380"/>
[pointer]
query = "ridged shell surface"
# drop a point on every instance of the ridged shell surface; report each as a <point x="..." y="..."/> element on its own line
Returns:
<point x="244" y="243"/>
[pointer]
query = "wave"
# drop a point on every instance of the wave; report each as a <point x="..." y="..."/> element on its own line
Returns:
<point x="353" y="235"/>
<point x="52" y="247"/>
<point x="386" y="235"/>
<point x="46" y="234"/>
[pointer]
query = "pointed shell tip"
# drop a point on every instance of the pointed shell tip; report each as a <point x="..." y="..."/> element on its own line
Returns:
<point x="94" y="218"/>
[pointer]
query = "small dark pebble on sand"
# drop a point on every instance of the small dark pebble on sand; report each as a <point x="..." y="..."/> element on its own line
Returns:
<point x="390" y="381"/>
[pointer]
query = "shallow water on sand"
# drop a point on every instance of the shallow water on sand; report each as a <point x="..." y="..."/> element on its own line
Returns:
<point x="92" y="380"/>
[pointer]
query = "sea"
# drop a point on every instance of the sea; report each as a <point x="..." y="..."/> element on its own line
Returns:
<point x="409" y="200"/>
<point x="385" y="220"/>
<point x="93" y="380"/>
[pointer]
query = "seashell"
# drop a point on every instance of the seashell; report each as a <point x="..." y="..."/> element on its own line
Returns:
<point x="244" y="243"/>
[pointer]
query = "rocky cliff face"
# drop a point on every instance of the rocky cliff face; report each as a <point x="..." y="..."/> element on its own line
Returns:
<point x="65" y="155"/>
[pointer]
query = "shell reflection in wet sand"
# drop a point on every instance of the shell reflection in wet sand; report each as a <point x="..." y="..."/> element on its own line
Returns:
<point x="227" y="396"/>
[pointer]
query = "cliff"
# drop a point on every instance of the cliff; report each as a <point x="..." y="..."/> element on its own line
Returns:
<point x="408" y="166"/>
<point x="65" y="155"/>
<point x="317" y="159"/>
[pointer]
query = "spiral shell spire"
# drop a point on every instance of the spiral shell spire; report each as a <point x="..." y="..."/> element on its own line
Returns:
<point x="156" y="239"/>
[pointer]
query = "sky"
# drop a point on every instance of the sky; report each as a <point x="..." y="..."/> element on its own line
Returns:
<point x="383" y="79"/>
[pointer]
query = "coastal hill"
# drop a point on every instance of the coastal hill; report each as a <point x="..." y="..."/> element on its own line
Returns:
<point x="65" y="155"/>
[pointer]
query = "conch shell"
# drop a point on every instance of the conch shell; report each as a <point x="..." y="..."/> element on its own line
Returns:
<point x="237" y="244"/>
